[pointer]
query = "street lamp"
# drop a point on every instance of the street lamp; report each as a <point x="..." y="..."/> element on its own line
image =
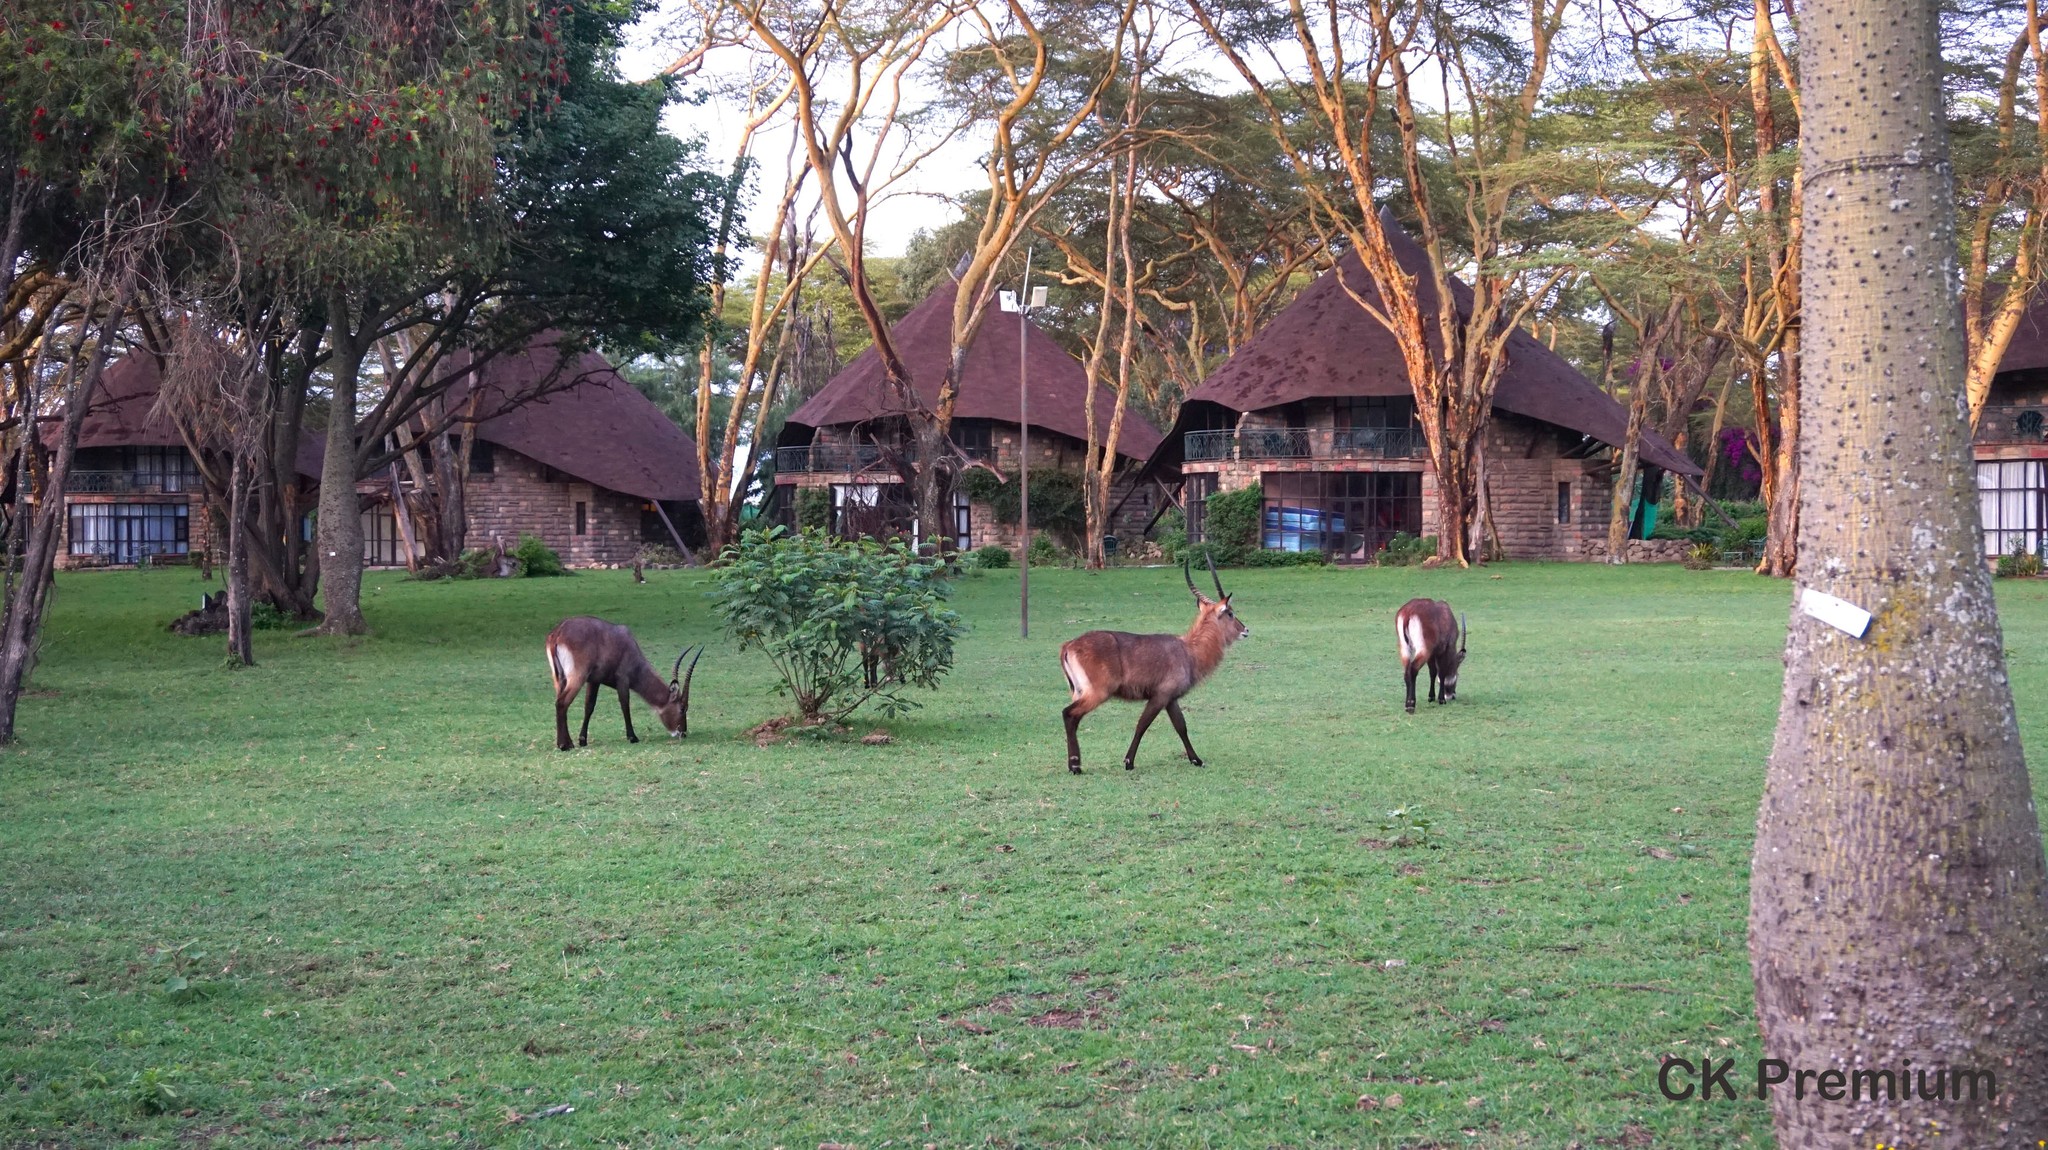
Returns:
<point x="1024" y="302"/>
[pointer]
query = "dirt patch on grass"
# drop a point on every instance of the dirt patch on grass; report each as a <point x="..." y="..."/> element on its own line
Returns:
<point x="1066" y="1020"/>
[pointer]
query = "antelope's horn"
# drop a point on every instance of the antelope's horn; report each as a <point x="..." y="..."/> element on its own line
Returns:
<point x="1188" y="574"/>
<point x="1215" y="578"/>
<point x="677" y="674"/>
<point x="691" y="673"/>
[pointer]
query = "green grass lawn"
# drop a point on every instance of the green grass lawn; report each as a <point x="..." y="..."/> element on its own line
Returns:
<point x="399" y="914"/>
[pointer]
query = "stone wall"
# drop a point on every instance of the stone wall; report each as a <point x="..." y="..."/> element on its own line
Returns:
<point x="521" y="496"/>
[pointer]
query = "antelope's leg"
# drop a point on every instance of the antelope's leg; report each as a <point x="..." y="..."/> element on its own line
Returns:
<point x="1412" y="670"/>
<point x="589" y="705"/>
<point x="626" y="709"/>
<point x="1432" y="680"/>
<point x="1152" y="709"/>
<point x="1180" y="727"/>
<point x="1073" y="714"/>
<point x="562" y="701"/>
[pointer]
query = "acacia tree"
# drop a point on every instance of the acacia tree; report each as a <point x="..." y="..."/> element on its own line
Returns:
<point x="2005" y="209"/>
<point x="1463" y="207"/>
<point x="1898" y="894"/>
<point x="1014" y="76"/>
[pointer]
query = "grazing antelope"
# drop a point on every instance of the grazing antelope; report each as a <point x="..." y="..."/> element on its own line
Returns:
<point x="1425" y="629"/>
<point x="1152" y="669"/>
<point x="588" y="652"/>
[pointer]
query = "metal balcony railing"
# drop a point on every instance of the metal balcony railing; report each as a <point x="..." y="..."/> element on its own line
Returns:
<point x="2013" y="424"/>
<point x="1304" y="443"/>
<point x="129" y="483"/>
<point x="826" y="457"/>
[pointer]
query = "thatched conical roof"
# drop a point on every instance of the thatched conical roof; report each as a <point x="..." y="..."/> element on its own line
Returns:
<point x="1057" y="382"/>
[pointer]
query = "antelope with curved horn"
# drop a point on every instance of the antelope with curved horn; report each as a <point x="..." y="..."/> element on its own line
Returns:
<point x="587" y="652"/>
<point x="1425" y="629"/>
<point x="1156" y="670"/>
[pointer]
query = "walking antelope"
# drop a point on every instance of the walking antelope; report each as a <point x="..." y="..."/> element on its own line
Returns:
<point x="1152" y="669"/>
<point x="1425" y="629"/>
<point x="584" y="651"/>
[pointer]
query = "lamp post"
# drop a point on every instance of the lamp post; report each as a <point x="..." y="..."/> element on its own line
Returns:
<point x="1024" y="302"/>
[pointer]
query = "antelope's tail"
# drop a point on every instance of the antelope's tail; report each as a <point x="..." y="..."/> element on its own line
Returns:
<point x="555" y="665"/>
<point x="1414" y="645"/>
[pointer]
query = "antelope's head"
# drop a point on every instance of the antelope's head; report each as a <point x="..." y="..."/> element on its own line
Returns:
<point x="1447" y="685"/>
<point x="1214" y="613"/>
<point x="675" y="714"/>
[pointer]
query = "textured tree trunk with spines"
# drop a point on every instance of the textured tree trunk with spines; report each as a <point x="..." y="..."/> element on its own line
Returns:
<point x="1897" y="891"/>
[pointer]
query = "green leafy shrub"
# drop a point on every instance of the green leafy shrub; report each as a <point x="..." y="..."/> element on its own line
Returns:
<point x="1045" y="552"/>
<point x="813" y="509"/>
<point x="1171" y="534"/>
<point x="1405" y="550"/>
<point x="1264" y="558"/>
<point x="1230" y="523"/>
<point x="2019" y="563"/>
<point x="992" y="557"/>
<point x="264" y="616"/>
<point x="478" y="563"/>
<point x="536" y="559"/>
<point x="816" y="606"/>
<point x="1702" y="556"/>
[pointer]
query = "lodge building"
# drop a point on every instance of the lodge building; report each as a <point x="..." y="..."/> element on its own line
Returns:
<point x="840" y="442"/>
<point x="588" y="464"/>
<point x="1316" y="409"/>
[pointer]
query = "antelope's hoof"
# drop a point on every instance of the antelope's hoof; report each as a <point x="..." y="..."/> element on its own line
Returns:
<point x="1195" y="759"/>
<point x="563" y="747"/>
<point x="1410" y="708"/>
<point x="1073" y="768"/>
<point x="1129" y="765"/>
<point x="582" y="742"/>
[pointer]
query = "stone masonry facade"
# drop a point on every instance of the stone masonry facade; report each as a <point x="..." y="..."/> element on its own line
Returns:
<point x="521" y="496"/>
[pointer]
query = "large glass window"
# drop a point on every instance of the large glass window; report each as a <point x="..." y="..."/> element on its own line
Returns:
<point x="129" y="532"/>
<point x="963" y="521"/>
<point x="1350" y="515"/>
<point x="2012" y="496"/>
<point x="974" y="439"/>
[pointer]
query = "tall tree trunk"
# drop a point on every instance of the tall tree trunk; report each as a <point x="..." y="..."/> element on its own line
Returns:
<point x="340" y="529"/>
<point x="22" y="621"/>
<point x="240" y="649"/>
<point x="1625" y="474"/>
<point x="1898" y="896"/>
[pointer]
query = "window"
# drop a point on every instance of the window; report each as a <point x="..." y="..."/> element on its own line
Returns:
<point x="582" y="518"/>
<point x="1564" y="502"/>
<point x="166" y="469"/>
<point x="2012" y="496"/>
<point x="973" y="438"/>
<point x="1350" y="515"/>
<point x="1197" y="492"/>
<point x="1374" y="411"/>
<point x="128" y="532"/>
<point x="963" y="521"/>
<point x="380" y="538"/>
<point x="483" y="457"/>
